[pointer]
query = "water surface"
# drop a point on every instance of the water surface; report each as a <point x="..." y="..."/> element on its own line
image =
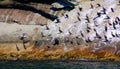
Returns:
<point x="58" y="65"/>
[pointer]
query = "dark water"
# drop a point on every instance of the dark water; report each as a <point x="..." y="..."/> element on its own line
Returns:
<point x="58" y="65"/>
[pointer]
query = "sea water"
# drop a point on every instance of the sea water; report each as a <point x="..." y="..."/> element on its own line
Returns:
<point x="58" y="65"/>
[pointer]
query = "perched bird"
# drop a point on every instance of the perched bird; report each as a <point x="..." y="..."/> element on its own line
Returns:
<point x="98" y="36"/>
<point x="116" y="22"/>
<point x="56" y="41"/>
<point x="117" y="18"/>
<point x="88" y="30"/>
<point x="112" y="9"/>
<point x="88" y="27"/>
<point x="24" y="41"/>
<point x="107" y="17"/>
<point x="98" y="5"/>
<point x="98" y="14"/>
<point x="57" y="21"/>
<point x="60" y="30"/>
<point x="88" y="40"/>
<point x="70" y="33"/>
<point x="78" y="18"/>
<point x="106" y="40"/>
<point x="81" y="34"/>
<point x="66" y="16"/>
<point x="91" y="6"/>
<point x="116" y="35"/>
<point x="47" y="28"/>
<point x="106" y="28"/>
<point x="95" y="30"/>
<point x="109" y="23"/>
<point x="88" y="21"/>
<point x="104" y="10"/>
<point x="78" y="13"/>
<point x="114" y="26"/>
<point x="112" y="34"/>
<point x="87" y="18"/>
<point x="80" y="8"/>
<point x="23" y="36"/>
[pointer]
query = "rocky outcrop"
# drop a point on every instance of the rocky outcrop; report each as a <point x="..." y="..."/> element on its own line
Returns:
<point x="22" y="16"/>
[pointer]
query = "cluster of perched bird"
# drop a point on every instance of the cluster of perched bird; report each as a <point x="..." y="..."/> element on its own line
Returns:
<point x="96" y="21"/>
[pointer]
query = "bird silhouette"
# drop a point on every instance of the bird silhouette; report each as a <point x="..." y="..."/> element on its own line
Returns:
<point x="98" y="14"/>
<point x="17" y="48"/>
<point x="116" y="35"/>
<point x="117" y="18"/>
<point x="107" y="17"/>
<point x="98" y="36"/>
<point x="112" y="34"/>
<point x="70" y="33"/>
<point x="106" y="28"/>
<point x="60" y="30"/>
<point x="66" y="16"/>
<point x="78" y="18"/>
<point x="112" y="9"/>
<point x="104" y="10"/>
<point x="56" y="41"/>
<point x="78" y="13"/>
<point x="106" y="40"/>
<point x="47" y="28"/>
<point x="80" y="8"/>
<point x="91" y="6"/>
<point x="98" y="5"/>
<point x="88" y="27"/>
<point x="114" y="26"/>
<point x="81" y="34"/>
<point x="23" y="36"/>
<point x="57" y="21"/>
<point x="88" y="40"/>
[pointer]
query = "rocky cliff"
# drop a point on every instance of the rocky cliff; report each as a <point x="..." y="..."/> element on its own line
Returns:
<point x="87" y="30"/>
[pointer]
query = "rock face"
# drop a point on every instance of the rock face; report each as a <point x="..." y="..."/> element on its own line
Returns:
<point x="81" y="23"/>
<point x="91" y="30"/>
<point x="24" y="17"/>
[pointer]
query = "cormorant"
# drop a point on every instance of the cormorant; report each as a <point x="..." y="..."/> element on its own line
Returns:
<point x="98" y="5"/>
<point x="106" y="28"/>
<point x="112" y="34"/>
<point x="80" y="8"/>
<point x="91" y="6"/>
<point x="23" y="36"/>
<point x="60" y="30"/>
<point x="81" y="34"/>
<point x="78" y="18"/>
<point x="57" y="21"/>
<point x="47" y="28"/>
<point x="112" y="9"/>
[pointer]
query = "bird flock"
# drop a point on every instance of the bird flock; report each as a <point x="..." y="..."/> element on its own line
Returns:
<point x="90" y="21"/>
